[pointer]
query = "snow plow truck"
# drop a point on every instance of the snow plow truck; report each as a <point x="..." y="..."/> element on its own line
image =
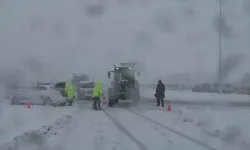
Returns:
<point x="124" y="85"/>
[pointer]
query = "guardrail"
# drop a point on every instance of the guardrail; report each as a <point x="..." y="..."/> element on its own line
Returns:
<point x="179" y="87"/>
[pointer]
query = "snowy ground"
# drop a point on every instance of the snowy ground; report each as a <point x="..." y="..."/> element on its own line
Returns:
<point x="14" y="120"/>
<point x="195" y="96"/>
<point x="228" y="124"/>
<point x="125" y="128"/>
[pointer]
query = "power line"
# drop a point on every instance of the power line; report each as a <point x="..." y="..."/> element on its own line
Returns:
<point x="220" y="49"/>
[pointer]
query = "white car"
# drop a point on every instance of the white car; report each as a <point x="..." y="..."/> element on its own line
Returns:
<point x="38" y="95"/>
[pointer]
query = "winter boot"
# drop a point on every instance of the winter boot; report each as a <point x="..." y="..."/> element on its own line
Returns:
<point x="70" y="102"/>
<point x="67" y="103"/>
<point x="99" y="105"/>
<point x="162" y="102"/>
<point x="94" y="105"/>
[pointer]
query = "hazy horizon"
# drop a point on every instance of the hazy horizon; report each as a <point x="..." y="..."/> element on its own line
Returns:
<point x="167" y="36"/>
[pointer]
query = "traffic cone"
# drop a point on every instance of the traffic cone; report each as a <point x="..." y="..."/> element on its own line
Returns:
<point x="169" y="107"/>
<point x="105" y="101"/>
<point x="27" y="104"/>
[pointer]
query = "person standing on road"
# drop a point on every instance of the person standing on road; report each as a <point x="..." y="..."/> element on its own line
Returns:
<point x="160" y="93"/>
<point x="97" y="93"/>
<point x="70" y="92"/>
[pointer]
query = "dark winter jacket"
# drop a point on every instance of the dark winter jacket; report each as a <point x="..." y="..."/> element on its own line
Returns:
<point x="160" y="90"/>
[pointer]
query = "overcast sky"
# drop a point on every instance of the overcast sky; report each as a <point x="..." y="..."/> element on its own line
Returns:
<point x="90" y="36"/>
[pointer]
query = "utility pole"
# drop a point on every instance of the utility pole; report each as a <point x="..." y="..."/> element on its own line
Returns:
<point x="220" y="50"/>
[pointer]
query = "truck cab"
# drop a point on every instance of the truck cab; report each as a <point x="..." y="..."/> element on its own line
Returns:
<point x="124" y="84"/>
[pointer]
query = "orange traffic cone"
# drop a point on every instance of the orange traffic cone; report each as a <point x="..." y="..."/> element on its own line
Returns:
<point x="105" y="101"/>
<point x="169" y="107"/>
<point x="28" y="105"/>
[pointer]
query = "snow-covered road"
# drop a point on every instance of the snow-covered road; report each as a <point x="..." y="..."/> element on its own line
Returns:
<point x="120" y="128"/>
<point x="151" y="135"/>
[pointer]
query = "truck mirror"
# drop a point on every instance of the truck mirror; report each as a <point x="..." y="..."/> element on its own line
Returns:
<point x="109" y="75"/>
<point x="138" y="73"/>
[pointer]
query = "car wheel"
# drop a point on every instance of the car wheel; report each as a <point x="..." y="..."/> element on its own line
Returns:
<point x="15" y="101"/>
<point x="47" y="101"/>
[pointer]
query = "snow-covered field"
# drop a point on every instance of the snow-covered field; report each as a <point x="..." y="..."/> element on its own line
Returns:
<point x="195" y="96"/>
<point x="227" y="124"/>
<point x="15" y="120"/>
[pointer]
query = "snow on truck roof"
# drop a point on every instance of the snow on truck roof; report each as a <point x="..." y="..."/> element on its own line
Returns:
<point x="127" y="64"/>
<point x="79" y="74"/>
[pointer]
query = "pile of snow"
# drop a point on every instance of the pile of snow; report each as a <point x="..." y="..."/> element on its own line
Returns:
<point x="38" y="139"/>
<point x="15" y="120"/>
<point x="194" y="96"/>
<point x="227" y="124"/>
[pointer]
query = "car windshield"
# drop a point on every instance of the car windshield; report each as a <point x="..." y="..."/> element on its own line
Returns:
<point x="87" y="85"/>
<point x="127" y="75"/>
<point x="124" y="73"/>
<point x="39" y="88"/>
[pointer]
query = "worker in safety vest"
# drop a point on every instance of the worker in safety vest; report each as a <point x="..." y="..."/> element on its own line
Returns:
<point x="97" y="93"/>
<point x="70" y="92"/>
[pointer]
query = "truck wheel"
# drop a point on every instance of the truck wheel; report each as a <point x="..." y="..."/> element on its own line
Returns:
<point x="111" y="96"/>
<point x="116" y="101"/>
<point x="111" y="103"/>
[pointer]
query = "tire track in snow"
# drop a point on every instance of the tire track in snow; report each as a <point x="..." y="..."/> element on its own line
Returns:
<point x="172" y="130"/>
<point x="124" y="130"/>
<point x="218" y="135"/>
<point x="244" y="145"/>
